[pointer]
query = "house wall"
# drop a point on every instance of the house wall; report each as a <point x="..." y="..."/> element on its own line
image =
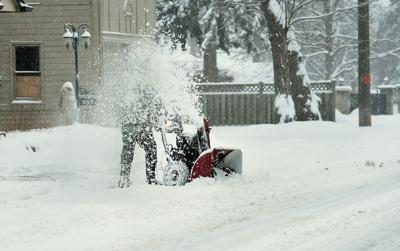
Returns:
<point x="9" y="6"/>
<point x="135" y="17"/>
<point x="46" y="26"/>
<point x="113" y="25"/>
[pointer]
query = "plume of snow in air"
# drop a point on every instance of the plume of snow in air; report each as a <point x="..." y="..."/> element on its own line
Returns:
<point x="142" y="66"/>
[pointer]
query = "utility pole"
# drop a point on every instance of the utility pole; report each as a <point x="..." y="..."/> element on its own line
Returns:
<point x="364" y="73"/>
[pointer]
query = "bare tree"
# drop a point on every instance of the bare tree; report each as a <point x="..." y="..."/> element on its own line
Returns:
<point x="327" y="31"/>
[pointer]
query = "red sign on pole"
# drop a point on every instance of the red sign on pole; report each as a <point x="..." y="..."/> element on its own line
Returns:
<point x="367" y="79"/>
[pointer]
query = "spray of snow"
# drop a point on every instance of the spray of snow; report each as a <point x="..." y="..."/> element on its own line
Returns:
<point x="285" y="107"/>
<point x="143" y="66"/>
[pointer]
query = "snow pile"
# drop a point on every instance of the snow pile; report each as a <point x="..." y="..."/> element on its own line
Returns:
<point x="285" y="108"/>
<point x="64" y="152"/>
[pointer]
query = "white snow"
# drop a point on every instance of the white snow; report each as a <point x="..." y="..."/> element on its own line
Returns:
<point x="343" y="88"/>
<point x="305" y="186"/>
<point x="276" y="9"/>
<point x="293" y="45"/>
<point x="386" y="87"/>
<point x="240" y="66"/>
<point x="314" y="104"/>
<point x="285" y="107"/>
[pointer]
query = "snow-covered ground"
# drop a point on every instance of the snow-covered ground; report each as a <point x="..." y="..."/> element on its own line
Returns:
<point x="306" y="186"/>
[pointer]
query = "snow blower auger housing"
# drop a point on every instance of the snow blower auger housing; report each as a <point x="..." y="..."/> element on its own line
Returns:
<point x="193" y="156"/>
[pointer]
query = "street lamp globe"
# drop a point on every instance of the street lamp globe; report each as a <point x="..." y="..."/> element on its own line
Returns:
<point x="86" y="38"/>
<point x="68" y="38"/>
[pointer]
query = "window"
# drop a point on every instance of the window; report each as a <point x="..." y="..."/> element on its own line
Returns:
<point x="27" y="74"/>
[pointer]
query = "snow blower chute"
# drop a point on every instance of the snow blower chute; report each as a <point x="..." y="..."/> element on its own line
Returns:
<point x="192" y="156"/>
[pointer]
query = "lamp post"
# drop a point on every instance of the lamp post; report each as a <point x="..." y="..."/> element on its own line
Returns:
<point x="72" y="36"/>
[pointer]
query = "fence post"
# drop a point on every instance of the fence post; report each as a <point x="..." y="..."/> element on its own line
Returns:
<point x="333" y="100"/>
<point x="398" y="98"/>
<point x="388" y="90"/>
<point x="260" y="87"/>
<point x="342" y="98"/>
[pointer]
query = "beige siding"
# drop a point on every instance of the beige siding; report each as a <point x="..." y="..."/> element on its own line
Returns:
<point x="151" y="16"/>
<point x="111" y="24"/>
<point x="45" y="25"/>
<point x="136" y="17"/>
<point x="9" y="6"/>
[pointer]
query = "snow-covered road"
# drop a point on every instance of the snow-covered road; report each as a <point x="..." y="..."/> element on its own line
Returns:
<point x="353" y="218"/>
<point x="306" y="186"/>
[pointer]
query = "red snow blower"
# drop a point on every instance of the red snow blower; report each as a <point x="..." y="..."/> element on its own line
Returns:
<point x="193" y="157"/>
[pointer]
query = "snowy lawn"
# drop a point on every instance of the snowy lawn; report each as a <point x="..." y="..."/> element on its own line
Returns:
<point x="306" y="186"/>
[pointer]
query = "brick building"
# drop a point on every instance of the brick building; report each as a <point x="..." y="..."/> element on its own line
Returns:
<point x="34" y="62"/>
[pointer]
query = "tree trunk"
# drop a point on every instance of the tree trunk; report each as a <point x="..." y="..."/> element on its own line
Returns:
<point x="210" y="69"/>
<point x="328" y="22"/>
<point x="364" y="76"/>
<point x="289" y="71"/>
<point x="300" y="89"/>
<point x="278" y="39"/>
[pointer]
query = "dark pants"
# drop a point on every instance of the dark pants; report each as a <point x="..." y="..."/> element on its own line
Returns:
<point x="132" y="134"/>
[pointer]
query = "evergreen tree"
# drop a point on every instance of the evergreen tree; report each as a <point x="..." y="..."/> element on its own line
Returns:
<point x="215" y="24"/>
<point x="168" y="23"/>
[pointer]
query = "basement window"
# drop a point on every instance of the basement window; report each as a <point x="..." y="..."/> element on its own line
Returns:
<point x="27" y="72"/>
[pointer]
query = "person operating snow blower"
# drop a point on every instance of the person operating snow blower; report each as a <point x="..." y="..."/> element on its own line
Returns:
<point x="138" y="123"/>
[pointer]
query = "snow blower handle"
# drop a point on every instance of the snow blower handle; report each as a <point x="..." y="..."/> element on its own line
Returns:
<point x="207" y="128"/>
<point x="163" y="138"/>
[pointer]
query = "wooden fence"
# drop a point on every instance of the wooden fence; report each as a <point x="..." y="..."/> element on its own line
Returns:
<point x="229" y="104"/>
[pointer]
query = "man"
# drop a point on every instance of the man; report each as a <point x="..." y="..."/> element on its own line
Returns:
<point x="137" y="127"/>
